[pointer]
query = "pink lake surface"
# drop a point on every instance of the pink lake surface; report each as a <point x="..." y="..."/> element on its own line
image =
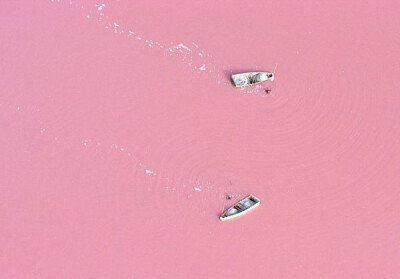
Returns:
<point x="121" y="136"/>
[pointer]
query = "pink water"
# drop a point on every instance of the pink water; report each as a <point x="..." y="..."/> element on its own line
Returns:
<point x="121" y="136"/>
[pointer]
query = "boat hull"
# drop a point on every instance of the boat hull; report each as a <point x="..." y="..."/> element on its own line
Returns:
<point x="240" y="208"/>
<point x="251" y="78"/>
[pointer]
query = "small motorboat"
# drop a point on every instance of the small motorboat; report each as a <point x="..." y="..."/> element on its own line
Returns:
<point x="240" y="208"/>
<point x="246" y="79"/>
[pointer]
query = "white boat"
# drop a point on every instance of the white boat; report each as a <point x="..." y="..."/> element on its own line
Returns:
<point x="240" y="208"/>
<point x="246" y="79"/>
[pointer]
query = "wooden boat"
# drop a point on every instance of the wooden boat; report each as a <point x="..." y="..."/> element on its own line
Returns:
<point x="240" y="208"/>
<point x="246" y="79"/>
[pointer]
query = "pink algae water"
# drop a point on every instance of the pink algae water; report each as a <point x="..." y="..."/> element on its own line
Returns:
<point x="121" y="136"/>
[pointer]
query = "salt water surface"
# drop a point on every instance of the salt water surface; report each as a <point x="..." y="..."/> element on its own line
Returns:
<point x="123" y="139"/>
